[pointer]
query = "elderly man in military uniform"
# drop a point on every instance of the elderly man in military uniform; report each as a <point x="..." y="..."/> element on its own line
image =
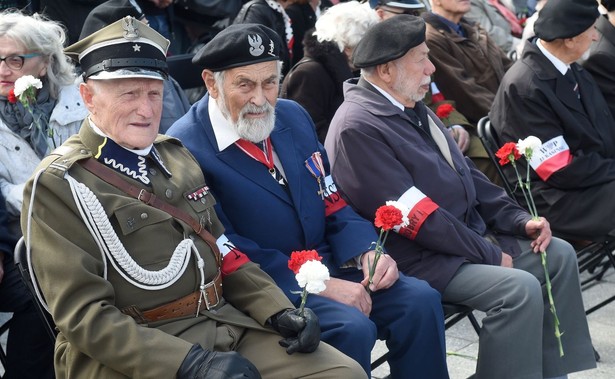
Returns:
<point x="130" y="255"/>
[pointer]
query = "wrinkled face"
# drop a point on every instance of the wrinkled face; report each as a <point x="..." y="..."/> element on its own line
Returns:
<point x="35" y="66"/>
<point x="126" y="110"/>
<point x="412" y="75"/>
<point x="247" y="97"/>
<point x="581" y="43"/>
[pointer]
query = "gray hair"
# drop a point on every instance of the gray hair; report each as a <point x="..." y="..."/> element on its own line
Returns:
<point x="345" y="24"/>
<point x="38" y="34"/>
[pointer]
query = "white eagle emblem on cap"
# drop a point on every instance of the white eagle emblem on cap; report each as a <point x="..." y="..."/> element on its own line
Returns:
<point x="256" y="45"/>
<point x="130" y="29"/>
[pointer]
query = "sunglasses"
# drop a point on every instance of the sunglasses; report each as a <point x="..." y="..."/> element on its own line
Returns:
<point x="15" y="62"/>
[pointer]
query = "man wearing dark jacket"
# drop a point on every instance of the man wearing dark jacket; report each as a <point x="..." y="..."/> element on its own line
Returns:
<point x="547" y="95"/>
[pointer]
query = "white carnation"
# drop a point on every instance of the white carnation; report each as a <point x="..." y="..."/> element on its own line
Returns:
<point x="528" y="145"/>
<point x="22" y="84"/>
<point x="312" y="276"/>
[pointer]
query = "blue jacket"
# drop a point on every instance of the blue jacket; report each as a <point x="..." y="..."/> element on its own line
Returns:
<point x="260" y="217"/>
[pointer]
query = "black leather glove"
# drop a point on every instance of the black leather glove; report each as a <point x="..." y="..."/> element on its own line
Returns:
<point x="201" y="364"/>
<point x="301" y="332"/>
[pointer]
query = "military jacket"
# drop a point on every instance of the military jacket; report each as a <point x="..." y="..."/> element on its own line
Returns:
<point x="84" y="289"/>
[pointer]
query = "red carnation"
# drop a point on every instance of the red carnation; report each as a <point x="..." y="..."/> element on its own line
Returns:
<point x="387" y="216"/>
<point x="508" y="153"/>
<point x="298" y="258"/>
<point x="444" y="110"/>
<point x="11" y="97"/>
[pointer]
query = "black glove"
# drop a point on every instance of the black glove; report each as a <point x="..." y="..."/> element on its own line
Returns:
<point x="201" y="364"/>
<point x="301" y="332"/>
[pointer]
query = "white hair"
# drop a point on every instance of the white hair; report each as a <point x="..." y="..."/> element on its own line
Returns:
<point x="38" y="34"/>
<point x="345" y="24"/>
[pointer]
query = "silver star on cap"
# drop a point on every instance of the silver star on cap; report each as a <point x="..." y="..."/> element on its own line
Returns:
<point x="136" y="47"/>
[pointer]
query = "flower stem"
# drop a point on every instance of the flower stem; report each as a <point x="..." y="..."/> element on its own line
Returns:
<point x="304" y="295"/>
<point x="558" y="334"/>
<point x="379" y="251"/>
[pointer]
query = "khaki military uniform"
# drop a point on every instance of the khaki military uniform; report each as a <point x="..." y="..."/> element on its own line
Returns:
<point x="97" y="340"/>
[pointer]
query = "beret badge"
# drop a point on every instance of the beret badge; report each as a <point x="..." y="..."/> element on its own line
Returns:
<point x="256" y="45"/>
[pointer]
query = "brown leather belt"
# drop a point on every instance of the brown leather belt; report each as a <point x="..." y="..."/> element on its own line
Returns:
<point x="182" y="307"/>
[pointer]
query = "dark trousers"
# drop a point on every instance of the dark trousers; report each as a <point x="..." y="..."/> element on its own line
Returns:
<point x="29" y="347"/>
<point x="408" y="316"/>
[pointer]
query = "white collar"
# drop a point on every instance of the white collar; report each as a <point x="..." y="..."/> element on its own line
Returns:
<point x="559" y="65"/>
<point x="223" y="130"/>
<point x="387" y="95"/>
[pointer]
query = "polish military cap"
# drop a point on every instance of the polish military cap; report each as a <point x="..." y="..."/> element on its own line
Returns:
<point x="239" y="45"/>
<point x="389" y="40"/>
<point x="127" y="48"/>
<point x="565" y="19"/>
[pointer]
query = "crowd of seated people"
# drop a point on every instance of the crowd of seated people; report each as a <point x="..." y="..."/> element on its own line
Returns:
<point x="453" y="67"/>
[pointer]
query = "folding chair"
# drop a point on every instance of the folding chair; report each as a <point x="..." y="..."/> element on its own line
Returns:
<point x="594" y="257"/>
<point x="21" y="261"/>
<point x="453" y="313"/>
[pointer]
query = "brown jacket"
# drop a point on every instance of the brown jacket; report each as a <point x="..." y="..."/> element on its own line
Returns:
<point x="468" y="70"/>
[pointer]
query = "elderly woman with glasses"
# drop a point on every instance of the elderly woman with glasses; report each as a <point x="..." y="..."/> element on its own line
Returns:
<point x="32" y="45"/>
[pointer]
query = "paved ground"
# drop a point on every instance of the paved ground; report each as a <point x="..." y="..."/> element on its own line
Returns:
<point x="462" y="341"/>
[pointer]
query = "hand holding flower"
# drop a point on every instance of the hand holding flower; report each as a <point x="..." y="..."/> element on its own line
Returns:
<point x="538" y="227"/>
<point x="540" y="231"/>
<point x="385" y="273"/>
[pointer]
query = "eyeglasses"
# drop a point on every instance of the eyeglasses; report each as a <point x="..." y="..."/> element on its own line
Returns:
<point x="15" y="62"/>
<point x="411" y="12"/>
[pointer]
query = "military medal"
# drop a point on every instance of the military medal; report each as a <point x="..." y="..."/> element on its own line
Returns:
<point x="317" y="169"/>
<point x="198" y="193"/>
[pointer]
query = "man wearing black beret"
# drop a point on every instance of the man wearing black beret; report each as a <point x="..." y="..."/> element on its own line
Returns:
<point x="466" y="237"/>
<point x="547" y="95"/>
<point x="270" y="176"/>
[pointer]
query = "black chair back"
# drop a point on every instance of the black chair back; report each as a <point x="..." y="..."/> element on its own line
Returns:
<point x="21" y="261"/>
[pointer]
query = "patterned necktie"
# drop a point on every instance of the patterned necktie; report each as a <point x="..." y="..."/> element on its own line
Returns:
<point x="571" y="78"/>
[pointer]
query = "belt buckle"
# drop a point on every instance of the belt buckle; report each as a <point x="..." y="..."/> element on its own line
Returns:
<point x="207" y="303"/>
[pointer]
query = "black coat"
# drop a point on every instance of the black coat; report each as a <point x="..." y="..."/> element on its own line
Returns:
<point x="316" y="82"/>
<point x="258" y="12"/>
<point x="303" y="19"/>
<point x="536" y="99"/>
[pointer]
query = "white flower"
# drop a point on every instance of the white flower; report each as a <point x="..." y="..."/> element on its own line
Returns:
<point x="529" y="145"/>
<point x="404" y="212"/>
<point x="312" y="276"/>
<point x="25" y="82"/>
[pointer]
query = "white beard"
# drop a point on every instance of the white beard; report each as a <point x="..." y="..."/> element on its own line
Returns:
<point x="253" y="130"/>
